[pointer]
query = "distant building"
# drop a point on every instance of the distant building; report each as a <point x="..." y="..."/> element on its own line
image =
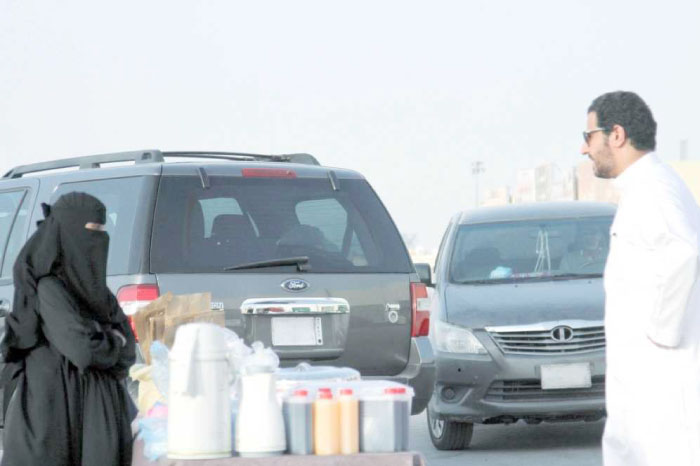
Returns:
<point x="546" y="182"/>
<point x="591" y="188"/>
<point x="496" y="196"/>
<point x="524" y="186"/>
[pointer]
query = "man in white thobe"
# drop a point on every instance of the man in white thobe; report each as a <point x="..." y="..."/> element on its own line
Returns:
<point x="652" y="285"/>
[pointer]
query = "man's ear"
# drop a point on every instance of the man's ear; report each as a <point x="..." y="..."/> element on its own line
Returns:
<point x="617" y="137"/>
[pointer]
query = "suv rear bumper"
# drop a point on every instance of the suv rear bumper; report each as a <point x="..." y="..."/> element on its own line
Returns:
<point x="419" y="373"/>
<point x="479" y="388"/>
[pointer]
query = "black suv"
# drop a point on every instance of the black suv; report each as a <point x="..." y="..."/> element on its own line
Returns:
<point x="302" y="257"/>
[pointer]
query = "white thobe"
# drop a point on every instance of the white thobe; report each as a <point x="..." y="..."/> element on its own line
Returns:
<point x="652" y="321"/>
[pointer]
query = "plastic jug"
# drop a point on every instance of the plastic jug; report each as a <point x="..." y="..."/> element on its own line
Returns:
<point x="378" y="430"/>
<point x="199" y="413"/>
<point x="326" y="423"/>
<point x="259" y="425"/>
<point x="298" y="421"/>
<point x="349" y="422"/>
<point x="402" y="416"/>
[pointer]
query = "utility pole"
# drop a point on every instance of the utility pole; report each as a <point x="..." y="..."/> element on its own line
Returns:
<point x="477" y="169"/>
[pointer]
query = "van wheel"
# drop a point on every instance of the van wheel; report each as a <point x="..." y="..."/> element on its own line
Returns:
<point x="449" y="435"/>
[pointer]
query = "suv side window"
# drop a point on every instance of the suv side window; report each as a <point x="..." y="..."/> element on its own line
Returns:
<point x="121" y="197"/>
<point x="11" y="226"/>
<point x="17" y="235"/>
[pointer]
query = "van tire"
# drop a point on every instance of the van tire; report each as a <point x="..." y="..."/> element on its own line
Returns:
<point x="448" y="435"/>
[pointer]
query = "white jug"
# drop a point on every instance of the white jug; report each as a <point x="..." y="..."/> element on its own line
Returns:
<point x="199" y="413"/>
<point x="259" y="425"/>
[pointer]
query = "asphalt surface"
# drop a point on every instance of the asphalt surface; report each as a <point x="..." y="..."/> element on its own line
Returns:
<point x="561" y="444"/>
<point x="575" y="443"/>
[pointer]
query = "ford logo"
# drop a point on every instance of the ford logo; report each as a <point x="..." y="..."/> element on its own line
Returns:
<point x="295" y="284"/>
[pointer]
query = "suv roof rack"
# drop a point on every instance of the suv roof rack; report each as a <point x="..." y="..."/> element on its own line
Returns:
<point x="292" y="158"/>
<point x="152" y="156"/>
<point x="90" y="161"/>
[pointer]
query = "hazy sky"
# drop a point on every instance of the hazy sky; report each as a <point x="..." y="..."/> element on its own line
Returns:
<point x="407" y="93"/>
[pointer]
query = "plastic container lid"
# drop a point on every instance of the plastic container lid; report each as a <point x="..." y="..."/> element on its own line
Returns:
<point x="395" y="391"/>
<point x="325" y="395"/>
<point x="300" y="393"/>
<point x="305" y="372"/>
<point x="346" y="391"/>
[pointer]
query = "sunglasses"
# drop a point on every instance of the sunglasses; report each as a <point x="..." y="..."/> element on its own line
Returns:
<point x="587" y="134"/>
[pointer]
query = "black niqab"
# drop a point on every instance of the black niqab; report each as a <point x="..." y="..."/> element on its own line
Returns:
<point x="82" y="259"/>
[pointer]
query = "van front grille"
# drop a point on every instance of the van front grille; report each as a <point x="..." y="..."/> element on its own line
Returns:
<point x="531" y="390"/>
<point x="576" y="340"/>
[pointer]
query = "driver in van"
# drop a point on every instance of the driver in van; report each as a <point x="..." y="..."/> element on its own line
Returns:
<point x="588" y="255"/>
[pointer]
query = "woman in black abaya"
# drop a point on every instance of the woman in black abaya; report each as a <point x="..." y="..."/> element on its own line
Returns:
<point x="67" y="346"/>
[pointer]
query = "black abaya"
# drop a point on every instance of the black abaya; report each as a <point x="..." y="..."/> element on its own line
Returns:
<point x="65" y="349"/>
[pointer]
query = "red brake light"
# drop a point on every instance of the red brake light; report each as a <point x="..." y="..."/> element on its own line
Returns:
<point x="268" y="173"/>
<point x="133" y="297"/>
<point x="420" y="310"/>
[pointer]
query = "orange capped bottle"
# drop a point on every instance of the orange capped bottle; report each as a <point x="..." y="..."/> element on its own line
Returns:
<point x="326" y="424"/>
<point x="349" y="422"/>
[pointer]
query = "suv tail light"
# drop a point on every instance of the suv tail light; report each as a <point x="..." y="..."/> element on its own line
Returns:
<point x="420" y="310"/>
<point x="133" y="297"/>
<point x="268" y="173"/>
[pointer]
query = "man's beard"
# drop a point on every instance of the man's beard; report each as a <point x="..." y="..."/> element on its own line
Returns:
<point x="603" y="166"/>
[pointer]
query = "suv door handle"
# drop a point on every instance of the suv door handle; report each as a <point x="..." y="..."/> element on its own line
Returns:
<point x="4" y="307"/>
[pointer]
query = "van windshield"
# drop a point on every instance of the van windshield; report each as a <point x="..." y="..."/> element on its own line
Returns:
<point x="530" y="250"/>
<point x="240" y="221"/>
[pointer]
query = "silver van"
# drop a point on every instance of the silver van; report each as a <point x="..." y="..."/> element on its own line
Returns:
<point x="517" y="318"/>
<point x="302" y="257"/>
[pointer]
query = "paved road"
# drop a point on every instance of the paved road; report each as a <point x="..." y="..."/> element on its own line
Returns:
<point x="519" y="444"/>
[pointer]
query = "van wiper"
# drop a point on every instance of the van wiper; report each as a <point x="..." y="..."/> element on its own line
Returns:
<point x="488" y="281"/>
<point x="574" y="276"/>
<point x="534" y="278"/>
<point x="302" y="263"/>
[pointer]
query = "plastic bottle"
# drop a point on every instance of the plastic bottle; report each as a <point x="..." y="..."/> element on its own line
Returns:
<point x="326" y="424"/>
<point x="298" y="421"/>
<point x="377" y="421"/>
<point x="402" y="416"/>
<point x="349" y="422"/>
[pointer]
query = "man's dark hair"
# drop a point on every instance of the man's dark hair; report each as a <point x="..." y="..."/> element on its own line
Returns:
<point x="628" y="110"/>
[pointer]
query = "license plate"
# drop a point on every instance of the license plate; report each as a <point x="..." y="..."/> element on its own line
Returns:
<point x="297" y="331"/>
<point x="556" y="376"/>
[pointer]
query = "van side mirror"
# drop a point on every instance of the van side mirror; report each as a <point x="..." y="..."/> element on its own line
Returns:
<point x="424" y="273"/>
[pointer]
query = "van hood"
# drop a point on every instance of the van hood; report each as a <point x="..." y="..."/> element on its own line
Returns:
<point x="479" y="306"/>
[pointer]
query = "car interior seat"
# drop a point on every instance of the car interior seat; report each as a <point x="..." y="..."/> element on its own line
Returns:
<point x="233" y="236"/>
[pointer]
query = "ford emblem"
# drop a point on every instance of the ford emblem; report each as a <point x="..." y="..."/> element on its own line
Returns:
<point x="295" y="284"/>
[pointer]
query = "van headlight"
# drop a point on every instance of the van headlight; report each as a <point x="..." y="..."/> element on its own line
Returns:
<point x="454" y="339"/>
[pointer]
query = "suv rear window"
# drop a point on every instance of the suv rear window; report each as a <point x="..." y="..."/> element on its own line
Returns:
<point x="241" y="220"/>
<point x="530" y="250"/>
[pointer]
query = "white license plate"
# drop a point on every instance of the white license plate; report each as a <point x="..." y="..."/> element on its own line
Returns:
<point x="565" y="376"/>
<point x="297" y="331"/>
